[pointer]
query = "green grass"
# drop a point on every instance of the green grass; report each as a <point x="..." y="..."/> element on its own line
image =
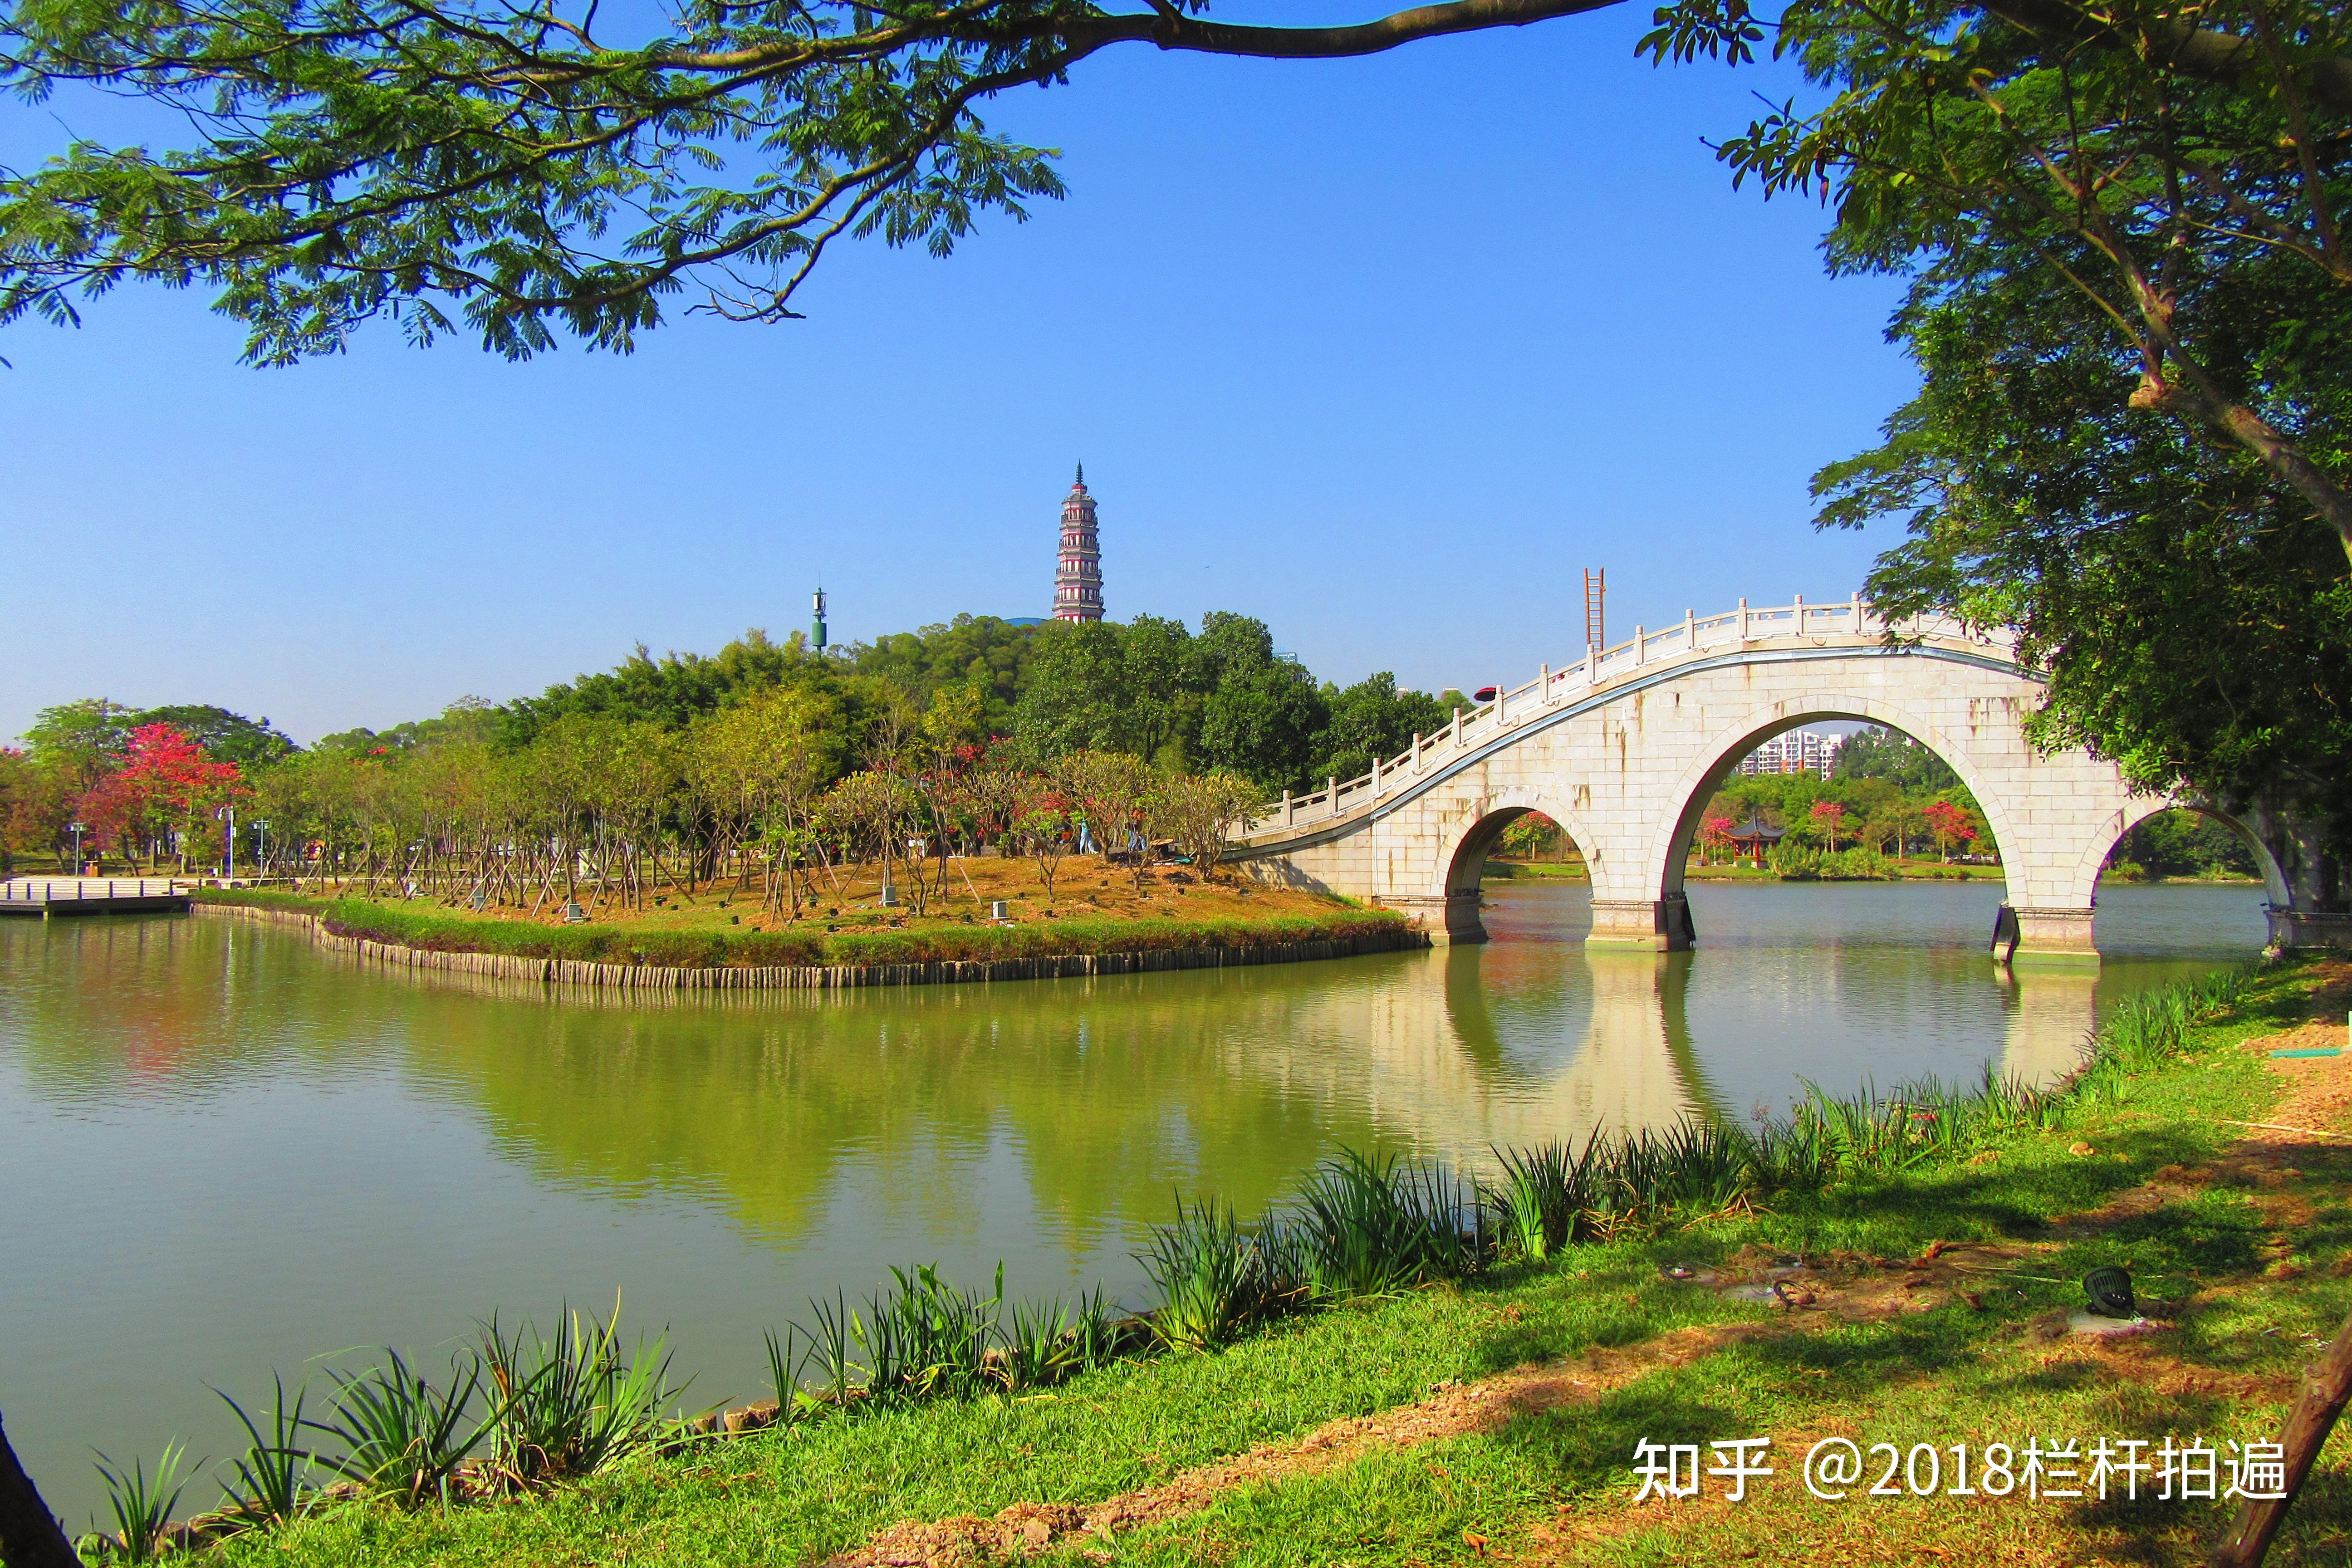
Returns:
<point x="437" y="930"/>
<point x="808" y="1490"/>
<point x="1942" y="1375"/>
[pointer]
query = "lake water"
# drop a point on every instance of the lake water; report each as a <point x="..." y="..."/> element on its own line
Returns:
<point x="222" y="1152"/>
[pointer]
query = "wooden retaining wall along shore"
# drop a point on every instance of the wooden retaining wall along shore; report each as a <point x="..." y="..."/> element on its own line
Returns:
<point x="822" y="976"/>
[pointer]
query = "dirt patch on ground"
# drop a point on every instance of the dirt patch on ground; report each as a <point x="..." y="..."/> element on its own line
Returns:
<point x="1840" y="1290"/>
<point x="1455" y="1410"/>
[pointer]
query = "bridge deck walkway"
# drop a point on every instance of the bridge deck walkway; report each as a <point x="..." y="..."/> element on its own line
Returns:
<point x="1600" y="675"/>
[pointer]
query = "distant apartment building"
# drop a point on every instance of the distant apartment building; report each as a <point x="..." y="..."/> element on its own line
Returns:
<point x="1797" y="751"/>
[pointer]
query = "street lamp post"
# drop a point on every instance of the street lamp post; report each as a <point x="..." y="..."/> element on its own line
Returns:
<point x="261" y="848"/>
<point x="76" y="826"/>
<point x="227" y="814"/>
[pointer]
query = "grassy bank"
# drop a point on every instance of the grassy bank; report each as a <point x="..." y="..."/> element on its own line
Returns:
<point x="432" y="926"/>
<point x="1933" y="1241"/>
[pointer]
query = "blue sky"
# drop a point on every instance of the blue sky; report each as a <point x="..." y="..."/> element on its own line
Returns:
<point x="1385" y="351"/>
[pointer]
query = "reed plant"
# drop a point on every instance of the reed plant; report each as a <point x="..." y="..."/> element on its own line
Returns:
<point x="924" y="1338"/>
<point x="407" y="1437"/>
<point x="1546" y="1198"/>
<point x="786" y="1358"/>
<point x="142" y="1505"/>
<point x="1215" y="1279"/>
<point x="833" y="1341"/>
<point x="1703" y="1165"/>
<point x="1046" y="1342"/>
<point x="569" y="1404"/>
<point x="271" y="1481"/>
<point x="1374" y="1224"/>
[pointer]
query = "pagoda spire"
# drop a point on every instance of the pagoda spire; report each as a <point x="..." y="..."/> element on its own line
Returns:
<point x="1077" y="578"/>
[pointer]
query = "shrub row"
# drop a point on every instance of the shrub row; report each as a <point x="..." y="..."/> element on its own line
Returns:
<point x="437" y="932"/>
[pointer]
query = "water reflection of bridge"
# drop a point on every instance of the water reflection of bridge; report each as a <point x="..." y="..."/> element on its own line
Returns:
<point x="1095" y="1096"/>
<point x="1464" y="1065"/>
<point x="1514" y="1042"/>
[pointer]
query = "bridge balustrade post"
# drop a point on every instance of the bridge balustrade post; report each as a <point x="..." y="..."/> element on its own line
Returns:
<point x="1592" y="663"/>
<point x="1690" y="631"/>
<point x="1641" y="648"/>
<point x="1543" y="688"/>
<point x="1797" y="615"/>
<point x="1376" y="775"/>
<point x="1457" y="729"/>
<point x="1286" y="807"/>
<point x="1332" y="796"/>
<point x="1743" y="621"/>
<point x="1416" y="751"/>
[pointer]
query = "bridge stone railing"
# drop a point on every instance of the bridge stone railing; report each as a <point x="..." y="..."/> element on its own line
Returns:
<point x="1693" y="638"/>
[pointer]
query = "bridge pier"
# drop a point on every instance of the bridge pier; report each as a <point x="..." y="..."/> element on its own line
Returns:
<point x="1448" y="918"/>
<point x="1660" y="925"/>
<point x="2308" y="928"/>
<point x="2060" y="935"/>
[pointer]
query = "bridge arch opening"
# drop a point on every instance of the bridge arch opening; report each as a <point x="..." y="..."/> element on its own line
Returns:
<point x="1894" y="823"/>
<point x="1475" y="839"/>
<point x="1936" y="757"/>
<point x="2138" y="848"/>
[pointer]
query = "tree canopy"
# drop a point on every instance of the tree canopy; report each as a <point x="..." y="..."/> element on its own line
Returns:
<point x="2129" y="300"/>
<point x="2178" y="170"/>
<point x="542" y="169"/>
<point x="1220" y="706"/>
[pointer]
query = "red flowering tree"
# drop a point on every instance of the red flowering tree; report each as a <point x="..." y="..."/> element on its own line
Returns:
<point x="1950" y="826"/>
<point x="1527" y="836"/>
<point x="1714" y="838"/>
<point x="1828" y="816"/>
<point x="166" y="779"/>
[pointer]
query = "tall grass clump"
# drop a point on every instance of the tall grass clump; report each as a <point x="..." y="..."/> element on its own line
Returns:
<point x="142" y="1505"/>
<point x="1047" y="1342"/>
<point x="921" y="1338"/>
<point x="1708" y="1166"/>
<point x="1546" y="1199"/>
<point x="924" y="1338"/>
<point x="1372" y="1225"/>
<point x="568" y="1404"/>
<point x="406" y="1437"/>
<point x="271" y="1479"/>
<point x="1216" y="1277"/>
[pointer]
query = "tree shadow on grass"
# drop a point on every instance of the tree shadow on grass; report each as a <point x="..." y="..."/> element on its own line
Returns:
<point x="1587" y="1447"/>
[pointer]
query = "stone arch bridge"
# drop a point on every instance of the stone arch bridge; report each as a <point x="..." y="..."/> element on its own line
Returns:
<point x="1623" y="749"/>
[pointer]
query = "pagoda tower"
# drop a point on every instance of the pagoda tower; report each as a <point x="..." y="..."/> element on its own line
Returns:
<point x="1077" y="584"/>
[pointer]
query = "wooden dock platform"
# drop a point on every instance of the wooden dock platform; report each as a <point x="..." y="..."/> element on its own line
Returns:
<point x="46" y="896"/>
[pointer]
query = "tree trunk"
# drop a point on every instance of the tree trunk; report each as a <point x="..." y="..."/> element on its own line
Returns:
<point x="30" y="1536"/>
<point x="2325" y="1387"/>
